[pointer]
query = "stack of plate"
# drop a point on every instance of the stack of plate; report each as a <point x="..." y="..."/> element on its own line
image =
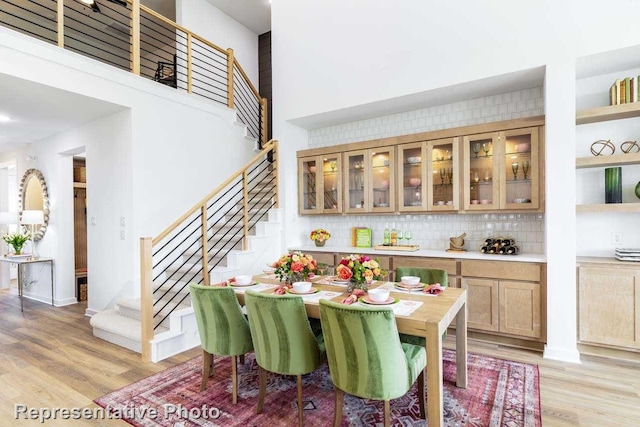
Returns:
<point x="628" y="254"/>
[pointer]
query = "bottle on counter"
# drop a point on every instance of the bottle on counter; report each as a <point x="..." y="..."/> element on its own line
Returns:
<point x="387" y="235"/>
<point x="394" y="235"/>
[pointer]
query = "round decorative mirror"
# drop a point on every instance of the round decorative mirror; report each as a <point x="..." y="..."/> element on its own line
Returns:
<point x="34" y="196"/>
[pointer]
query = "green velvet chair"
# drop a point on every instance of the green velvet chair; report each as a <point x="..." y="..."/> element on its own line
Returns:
<point x="224" y="331"/>
<point x="428" y="276"/>
<point x="366" y="357"/>
<point x="283" y="339"/>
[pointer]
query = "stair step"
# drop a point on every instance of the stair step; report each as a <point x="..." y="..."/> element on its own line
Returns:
<point x="124" y="331"/>
<point x="130" y="307"/>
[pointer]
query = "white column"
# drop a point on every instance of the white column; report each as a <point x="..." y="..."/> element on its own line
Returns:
<point x="560" y="187"/>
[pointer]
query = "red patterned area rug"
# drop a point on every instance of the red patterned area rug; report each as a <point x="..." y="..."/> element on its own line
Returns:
<point x="500" y="393"/>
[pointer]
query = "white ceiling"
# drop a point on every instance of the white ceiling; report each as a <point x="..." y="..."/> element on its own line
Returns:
<point x="39" y="111"/>
<point x="253" y="14"/>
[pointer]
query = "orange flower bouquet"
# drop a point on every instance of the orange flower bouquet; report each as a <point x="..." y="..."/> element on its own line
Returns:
<point x="360" y="270"/>
<point x="294" y="267"/>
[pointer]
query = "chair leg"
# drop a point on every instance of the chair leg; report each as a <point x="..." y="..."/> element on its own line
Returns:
<point x="387" y="414"/>
<point x="337" y="412"/>
<point x="262" y="379"/>
<point x="421" y="395"/>
<point x="300" y="401"/>
<point x="234" y="378"/>
<point x="207" y="368"/>
<point x="242" y="359"/>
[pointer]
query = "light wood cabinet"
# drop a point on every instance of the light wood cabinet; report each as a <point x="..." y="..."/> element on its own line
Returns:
<point x="501" y="170"/>
<point x="369" y="180"/>
<point x="609" y="306"/>
<point x="504" y="297"/>
<point x="428" y="176"/>
<point x="320" y="184"/>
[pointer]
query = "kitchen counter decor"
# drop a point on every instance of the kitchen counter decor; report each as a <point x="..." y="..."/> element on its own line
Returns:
<point x="500" y="246"/>
<point x="320" y="236"/>
<point x="294" y="266"/>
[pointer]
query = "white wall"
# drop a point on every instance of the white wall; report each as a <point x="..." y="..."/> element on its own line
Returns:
<point x="207" y="21"/>
<point x="377" y="50"/>
<point x="148" y="165"/>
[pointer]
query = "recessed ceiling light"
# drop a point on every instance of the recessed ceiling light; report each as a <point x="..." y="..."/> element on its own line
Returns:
<point x="4" y="119"/>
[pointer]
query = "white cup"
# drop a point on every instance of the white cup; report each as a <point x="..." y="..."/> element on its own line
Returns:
<point x="378" y="294"/>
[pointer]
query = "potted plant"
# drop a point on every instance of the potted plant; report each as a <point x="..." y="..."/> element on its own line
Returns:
<point x="17" y="240"/>
<point x="320" y="236"/>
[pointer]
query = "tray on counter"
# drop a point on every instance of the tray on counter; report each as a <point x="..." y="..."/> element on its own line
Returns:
<point x="405" y="248"/>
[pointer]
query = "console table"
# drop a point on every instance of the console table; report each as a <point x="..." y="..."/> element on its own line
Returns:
<point x="21" y="262"/>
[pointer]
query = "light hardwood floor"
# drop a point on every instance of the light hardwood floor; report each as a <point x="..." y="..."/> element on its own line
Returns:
<point x="49" y="358"/>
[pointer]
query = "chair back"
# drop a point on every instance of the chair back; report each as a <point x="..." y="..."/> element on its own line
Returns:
<point x="283" y="339"/>
<point x="366" y="358"/>
<point x="426" y="275"/>
<point x="224" y="331"/>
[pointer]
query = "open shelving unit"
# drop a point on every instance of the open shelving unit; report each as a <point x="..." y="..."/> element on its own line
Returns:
<point x="603" y="114"/>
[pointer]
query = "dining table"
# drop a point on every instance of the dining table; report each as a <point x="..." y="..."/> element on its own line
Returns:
<point x="417" y="314"/>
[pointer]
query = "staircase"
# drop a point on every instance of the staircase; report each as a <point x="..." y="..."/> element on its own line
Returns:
<point x="238" y="226"/>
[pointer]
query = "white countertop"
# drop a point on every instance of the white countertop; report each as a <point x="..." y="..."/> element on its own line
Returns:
<point x="427" y="253"/>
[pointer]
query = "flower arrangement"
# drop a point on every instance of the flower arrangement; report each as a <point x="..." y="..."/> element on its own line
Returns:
<point x="17" y="239"/>
<point x="294" y="266"/>
<point x="360" y="270"/>
<point x="319" y="236"/>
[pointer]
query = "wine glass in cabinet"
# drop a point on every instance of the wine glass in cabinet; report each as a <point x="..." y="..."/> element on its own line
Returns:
<point x="355" y="181"/>
<point x="519" y="171"/>
<point x="481" y="171"/>
<point x="443" y="171"/>
<point x="382" y="179"/>
<point x="332" y="183"/>
<point x="412" y="177"/>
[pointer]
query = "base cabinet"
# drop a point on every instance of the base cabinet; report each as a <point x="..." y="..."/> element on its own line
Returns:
<point x="609" y="306"/>
<point x="509" y="303"/>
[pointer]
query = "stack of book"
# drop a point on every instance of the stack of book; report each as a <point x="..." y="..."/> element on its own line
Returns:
<point x="624" y="91"/>
<point x="628" y="254"/>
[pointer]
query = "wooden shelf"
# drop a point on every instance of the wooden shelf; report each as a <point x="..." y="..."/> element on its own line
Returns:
<point x="605" y="161"/>
<point x="79" y="185"/>
<point x="609" y="207"/>
<point x="611" y="112"/>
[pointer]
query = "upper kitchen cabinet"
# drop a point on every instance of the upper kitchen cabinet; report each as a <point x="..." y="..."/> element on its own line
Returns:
<point x="501" y="170"/>
<point x="369" y="180"/>
<point x="320" y="184"/>
<point x="428" y="174"/>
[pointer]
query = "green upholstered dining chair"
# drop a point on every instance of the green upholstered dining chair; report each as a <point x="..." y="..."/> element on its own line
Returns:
<point x="224" y="331"/>
<point x="428" y="276"/>
<point x="283" y="339"/>
<point x="366" y="357"/>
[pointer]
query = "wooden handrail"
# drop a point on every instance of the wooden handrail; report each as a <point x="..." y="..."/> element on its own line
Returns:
<point x="270" y="145"/>
<point x="146" y="297"/>
<point x="60" y="22"/>
<point x="253" y="88"/>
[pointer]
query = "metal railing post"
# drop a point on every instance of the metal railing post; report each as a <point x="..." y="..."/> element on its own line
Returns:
<point x="146" y="296"/>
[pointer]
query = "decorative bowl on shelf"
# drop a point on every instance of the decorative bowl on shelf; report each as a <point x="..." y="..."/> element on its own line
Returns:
<point x="312" y="169"/>
<point x="414" y="182"/>
<point x="414" y="159"/>
<point x="523" y="147"/>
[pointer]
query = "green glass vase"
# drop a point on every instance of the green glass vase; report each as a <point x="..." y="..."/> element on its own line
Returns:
<point x="613" y="185"/>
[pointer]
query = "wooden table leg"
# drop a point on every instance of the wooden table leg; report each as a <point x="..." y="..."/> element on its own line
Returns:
<point x="51" y="264"/>
<point x="20" y="287"/>
<point x="461" y="347"/>
<point x="434" y="376"/>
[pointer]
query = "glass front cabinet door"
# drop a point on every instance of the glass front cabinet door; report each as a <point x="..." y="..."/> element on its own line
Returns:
<point x="443" y="175"/>
<point x="519" y="171"/>
<point x="501" y="170"/>
<point x="320" y="184"/>
<point x="412" y="177"/>
<point x="481" y="172"/>
<point x="369" y="180"/>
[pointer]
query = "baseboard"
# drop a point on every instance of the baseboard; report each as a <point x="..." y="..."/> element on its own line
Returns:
<point x="90" y="312"/>
<point x="598" y="352"/>
<point x="563" y="355"/>
<point x="67" y="301"/>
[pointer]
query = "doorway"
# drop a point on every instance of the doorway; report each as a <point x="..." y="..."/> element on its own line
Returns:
<point x="80" y="226"/>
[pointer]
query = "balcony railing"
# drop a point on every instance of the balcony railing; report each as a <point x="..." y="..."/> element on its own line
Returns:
<point x="132" y="37"/>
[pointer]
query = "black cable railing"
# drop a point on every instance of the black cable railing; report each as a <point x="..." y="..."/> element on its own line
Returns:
<point x="178" y="257"/>
<point x="209" y="68"/>
<point x="36" y="18"/>
<point x="248" y="107"/>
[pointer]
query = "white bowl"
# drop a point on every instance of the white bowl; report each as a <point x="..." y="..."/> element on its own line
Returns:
<point x="414" y="159"/>
<point x="243" y="280"/>
<point x="414" y="182"/>
<point x="378" y="295"/>
<point x="301" y="287"/>
<point x="410" y="280"/>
